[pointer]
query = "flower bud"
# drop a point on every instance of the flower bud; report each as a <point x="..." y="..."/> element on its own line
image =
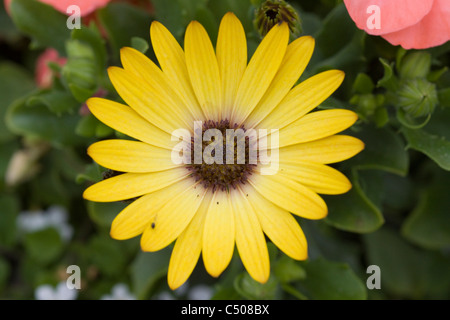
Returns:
<point x="417" y="97"/>
<point x="272" y="12"/>
<point x="415" y="65"/>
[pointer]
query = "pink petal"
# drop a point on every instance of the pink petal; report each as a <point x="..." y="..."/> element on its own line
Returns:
<point x="7" y="3"/>
<point x="86" y="6"/>
<point x="44" y="75"/>
<point x="433" y="30"/>
<point x="394" y="14"/>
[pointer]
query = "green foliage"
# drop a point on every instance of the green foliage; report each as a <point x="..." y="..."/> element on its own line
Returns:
<point x="19" y="83"/>
<point x="395" y="216"/>
<point x="44" y="246"/>
<point x="328" y="280"/>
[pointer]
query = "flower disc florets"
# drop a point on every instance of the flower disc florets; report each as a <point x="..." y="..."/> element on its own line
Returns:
<point x="232" y="165"/>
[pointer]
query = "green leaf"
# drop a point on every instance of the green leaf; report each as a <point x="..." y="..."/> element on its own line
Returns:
<point x="87" y="126"/>
<point x="226" y="293"/>
<point x="429" y="223"/>
<point x="411" y="122"/>
<point x="435" y="147"/>
<point x="147" y="269"/>
<point x="44" y="246"/>
<point x="7" y="29"/>
<point x="337" y="31"/>
<point x="103" y="214"/>
<point x="140" y="44"/>
<point x="81" y="71"/>
<point x="349" y="58"/>
<point x="56" y="101"/>
<point x="288" y="270"/>
<point x="328" y="280"/>
<point x="444" y="97"/>
<point x="384" y="150"/>
<point x="5" y="271"/>
<point x="18" y="82"/>
<point x="415" y="64"/>
<point x="406" y="271"/>
<point x="389" y="80"/>
<point x="381" y="117"/>
<point x="92" y="173"/>
<point x="251" y="289"/>
<point x="207" y="19"/>
<point x="399" y="191"/>
<point x="170" y="14"/>
<point x="45" y="25"/>
<point x="363" y="84"/>
<point x="91" y="36"/>
<point x="434" y="139"/>
<point x="355" y="211"/>
<point x="90" y="126"/>
<point x="438" y="124"/>
<point x="9" y="209"/>
<point x="106" y="254"/>
<point x="175" y="15"/>
<point x="37" y="121"/>
<point x="241" y="8"/>
<point x="122" y="22"/>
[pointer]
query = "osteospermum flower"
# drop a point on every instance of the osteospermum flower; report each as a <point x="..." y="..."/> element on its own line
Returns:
<point x="208" y="209"/>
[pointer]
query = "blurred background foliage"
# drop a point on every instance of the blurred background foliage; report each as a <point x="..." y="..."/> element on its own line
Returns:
<point x="396" y="216"/>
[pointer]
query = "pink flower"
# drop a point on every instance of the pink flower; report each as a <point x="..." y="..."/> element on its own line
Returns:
<point x="44" y="75"/>
<point x="413" y="24"/>
<point x="86" y="6"/>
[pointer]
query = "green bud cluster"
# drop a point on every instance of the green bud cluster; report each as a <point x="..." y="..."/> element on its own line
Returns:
<point x="416" y="96"/>
<point x="272" y="12"/>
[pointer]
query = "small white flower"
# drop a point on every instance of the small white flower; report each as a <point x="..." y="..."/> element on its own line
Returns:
<point x="200" y="292"/>
<point x="61" y="292"/>
<point x="182" y="290"/>
<point x="164" y="296"/>
<point x="119" y="292"/>
<point x="55" y="216"/>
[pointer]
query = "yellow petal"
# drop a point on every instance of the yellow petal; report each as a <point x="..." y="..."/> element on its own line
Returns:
<point x="231" y="51"/>
<point x="173" y="217"/>
<point x="145" y="100"/>
<point x="124" y="119"/>
<point x="172" y="60"/>
<point x="218" y="234"/>
<point x="137" y="63"/>
<point x="131" y="156"/>
<point x="188" y="247"/>
<point x="303" y="98"/>
<point x="260" y="71"/>
<point x="279" y="225"/>
<point x="290" y="195"/>
<point x="327" y="150"/>
<point x="250" y="240"/>
<point x="203" y="69"/>
<point x="137" y="216"/>
<point x="318" y="177"/>
<point x="298" y="54"/>
<point x="131" y="185"/>
<point x="317" y="125"/>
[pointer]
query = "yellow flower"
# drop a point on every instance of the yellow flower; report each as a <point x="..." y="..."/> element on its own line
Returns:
<point x="206" y="208"/>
